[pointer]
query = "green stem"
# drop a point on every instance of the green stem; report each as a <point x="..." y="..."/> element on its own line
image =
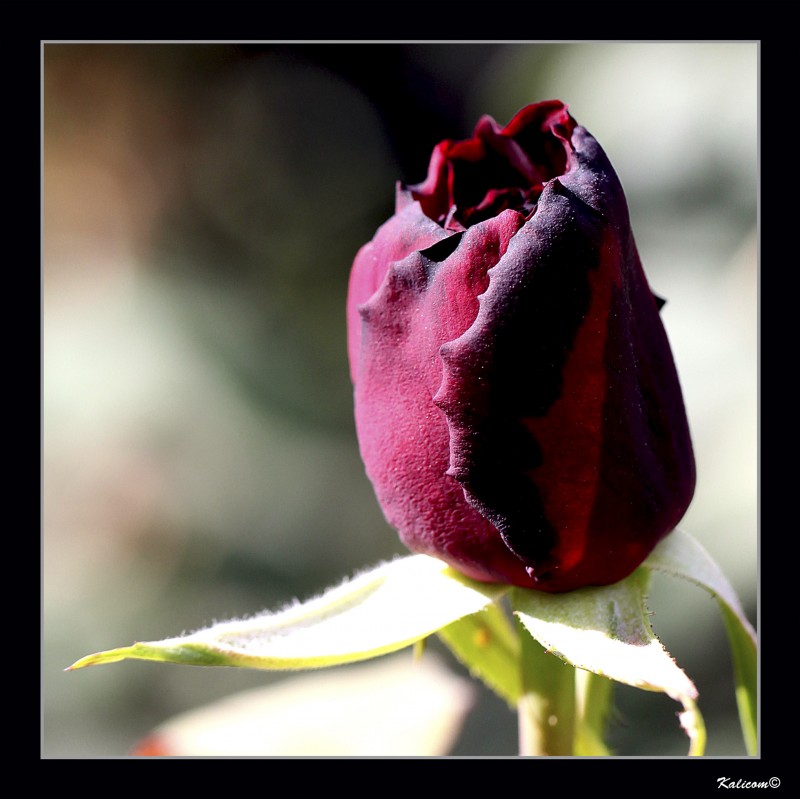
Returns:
<point x="546" y="707"/>
<point x="592" y="707"/>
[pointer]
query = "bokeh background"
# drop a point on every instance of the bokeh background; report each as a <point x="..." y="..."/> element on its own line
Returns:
<point x="202" y="207"/>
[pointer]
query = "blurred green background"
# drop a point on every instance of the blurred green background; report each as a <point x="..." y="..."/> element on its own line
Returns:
<point x="202" y="207"/>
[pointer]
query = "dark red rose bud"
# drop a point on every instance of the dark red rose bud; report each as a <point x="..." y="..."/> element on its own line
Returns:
<point x="516" y="401"/>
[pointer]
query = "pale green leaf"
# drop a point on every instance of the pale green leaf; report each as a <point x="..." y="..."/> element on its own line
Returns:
<point x="486" y="643"/>
<point x="681" y="556"/>
<point x="605" y="630"/>
<point x="385" y="609"/>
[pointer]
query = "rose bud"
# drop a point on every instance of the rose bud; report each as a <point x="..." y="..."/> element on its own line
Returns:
<point x="516" y="401"/>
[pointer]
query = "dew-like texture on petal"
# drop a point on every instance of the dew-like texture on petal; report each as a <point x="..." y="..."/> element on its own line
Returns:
<point x="517" y="405"/>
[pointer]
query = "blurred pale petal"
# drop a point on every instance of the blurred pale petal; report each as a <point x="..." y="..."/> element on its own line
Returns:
<point x="390" y="707"/>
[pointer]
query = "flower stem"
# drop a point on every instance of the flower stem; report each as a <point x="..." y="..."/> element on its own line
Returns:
<point x="546" y="707"/>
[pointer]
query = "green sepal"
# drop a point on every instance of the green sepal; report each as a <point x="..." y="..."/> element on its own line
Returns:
<point x="745" y="668"/>
<point x="488" y="646"/>
<point x="385" y="609"/>
<point x="605" y="630"/>
<point x="679" y="555"/>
